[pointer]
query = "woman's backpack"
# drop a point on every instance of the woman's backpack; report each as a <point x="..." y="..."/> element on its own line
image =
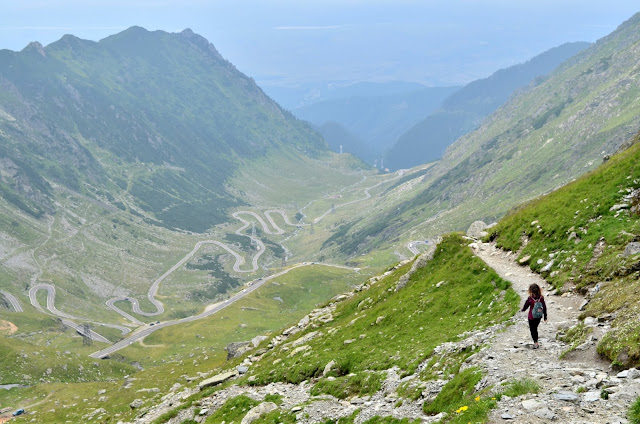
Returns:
<point x="538" y="308"/>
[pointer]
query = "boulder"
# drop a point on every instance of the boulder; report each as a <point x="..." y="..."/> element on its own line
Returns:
<point x="633" y="373"/>
<point x="632" y="248"/>
<point x="257" y="411"/>
<point x="257" y="340"/>
<point x="216" y="379"/>
<point x="236" y="349"/>
<point x="328" y="367"/>
<point x="476" y="230"/>
<point x="137" y="403"/>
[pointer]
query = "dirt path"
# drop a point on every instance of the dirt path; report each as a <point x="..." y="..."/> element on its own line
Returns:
<point x="510" y="357"/>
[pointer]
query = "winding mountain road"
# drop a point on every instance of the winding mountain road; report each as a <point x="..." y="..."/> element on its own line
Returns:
<point x="66" y="318"/>
<point x="13" y="301"/>
<point x="145" y="330"/>
<point x="256" y="284"/>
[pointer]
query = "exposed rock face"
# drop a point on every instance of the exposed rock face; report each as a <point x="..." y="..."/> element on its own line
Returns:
<point x="236" y="349"/>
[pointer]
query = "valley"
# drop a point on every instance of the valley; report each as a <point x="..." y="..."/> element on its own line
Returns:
<point x="175" y="247"/>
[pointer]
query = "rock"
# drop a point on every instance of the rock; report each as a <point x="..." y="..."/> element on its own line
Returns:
<point x="102" y="399"/>
<point x="623" y="374"/>
<point x="236" y="349"/>
<point x="242" y="369"/>
<point x="328" y="367"/>
<point x="540" y="261"/>
<point x="592" y="396"/>
<point x="583" y="305"/>
<point x="102" y="391"/>
<point x="618" y="207"/>
<point x="137" y="403"/>
<point x="296" y="409"/>
<point x="632" y="248"/>
<point x="349" y="341"/>
<point x="204" y="411"/>
<point x="523" y="261"/>
<point x="304" y="321"/>
<point x="531" y="404"/>
<point x="548" y="266"/>
<point x="545" y="413"/>
<point x="507" y="416"/>
<point x="257" y="411"/>
<point x="299" y="349"/>
<point x="216" y="379"/>
<point x="476" y="230"/>
<point x="257" y="340"/>
<point x="379" y="319"/>
<point x="590" y="321"/>
<point x="633" y="373"/>
<point x="567" y="397"/>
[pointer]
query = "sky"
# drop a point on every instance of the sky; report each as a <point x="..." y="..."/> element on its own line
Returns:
<point x="291" y="43"/>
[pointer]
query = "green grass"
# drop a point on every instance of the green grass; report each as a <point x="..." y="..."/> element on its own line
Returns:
<point x="634" y="412"/>
<point x="350" y="385"/>
<point x="574" y="337"/>
<point x="517" y="388"/>
<point x="377" y="322"/>
<point x="459" y="400"/>
<point x="233" y="409"/>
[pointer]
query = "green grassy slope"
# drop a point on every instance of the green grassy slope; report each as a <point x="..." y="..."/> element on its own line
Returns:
<point x="379" y="328"/>
<point x="579" y="228"/>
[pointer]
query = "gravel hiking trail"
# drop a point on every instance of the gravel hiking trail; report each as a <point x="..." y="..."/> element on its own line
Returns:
<point x="571" y="387"/>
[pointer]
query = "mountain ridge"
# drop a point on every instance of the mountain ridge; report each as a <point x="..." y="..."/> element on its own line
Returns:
<point x="154" y="97"/>
<point x="465" y="109"/>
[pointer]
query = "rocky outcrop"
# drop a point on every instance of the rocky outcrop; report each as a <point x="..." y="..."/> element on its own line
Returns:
<point x="236" y="349"/>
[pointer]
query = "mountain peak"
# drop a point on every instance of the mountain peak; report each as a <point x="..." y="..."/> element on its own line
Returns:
<point x="35" y="46"/>
<point x="201" y="42"/>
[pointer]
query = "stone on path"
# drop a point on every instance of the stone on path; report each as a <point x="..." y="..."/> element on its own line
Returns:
<point x="507" y="416"/>
<point x="567" y="397"/>
<point x="531" y="404"/>
<point x="592" y="396"/>
<point x="545" y="413"/>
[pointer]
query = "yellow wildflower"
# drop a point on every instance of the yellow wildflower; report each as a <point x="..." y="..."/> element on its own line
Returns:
<point x="477" y="398"/>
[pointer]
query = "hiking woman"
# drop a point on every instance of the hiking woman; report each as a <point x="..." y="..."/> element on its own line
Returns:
<point x="537" y="310"/>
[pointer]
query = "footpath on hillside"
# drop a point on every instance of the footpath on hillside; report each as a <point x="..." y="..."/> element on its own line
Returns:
<point x="573" y="388"/>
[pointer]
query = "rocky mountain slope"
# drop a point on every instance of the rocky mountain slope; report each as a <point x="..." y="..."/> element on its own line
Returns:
<point x="152" y="122"/>
<point x="539" y="140"/>
<point x="465" y="109"/>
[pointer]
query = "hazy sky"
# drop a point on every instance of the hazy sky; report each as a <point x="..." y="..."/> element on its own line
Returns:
<point x="436" y="42"/>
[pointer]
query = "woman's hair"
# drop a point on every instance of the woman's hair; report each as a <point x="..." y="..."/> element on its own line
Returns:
<point x="534" y="290"/>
